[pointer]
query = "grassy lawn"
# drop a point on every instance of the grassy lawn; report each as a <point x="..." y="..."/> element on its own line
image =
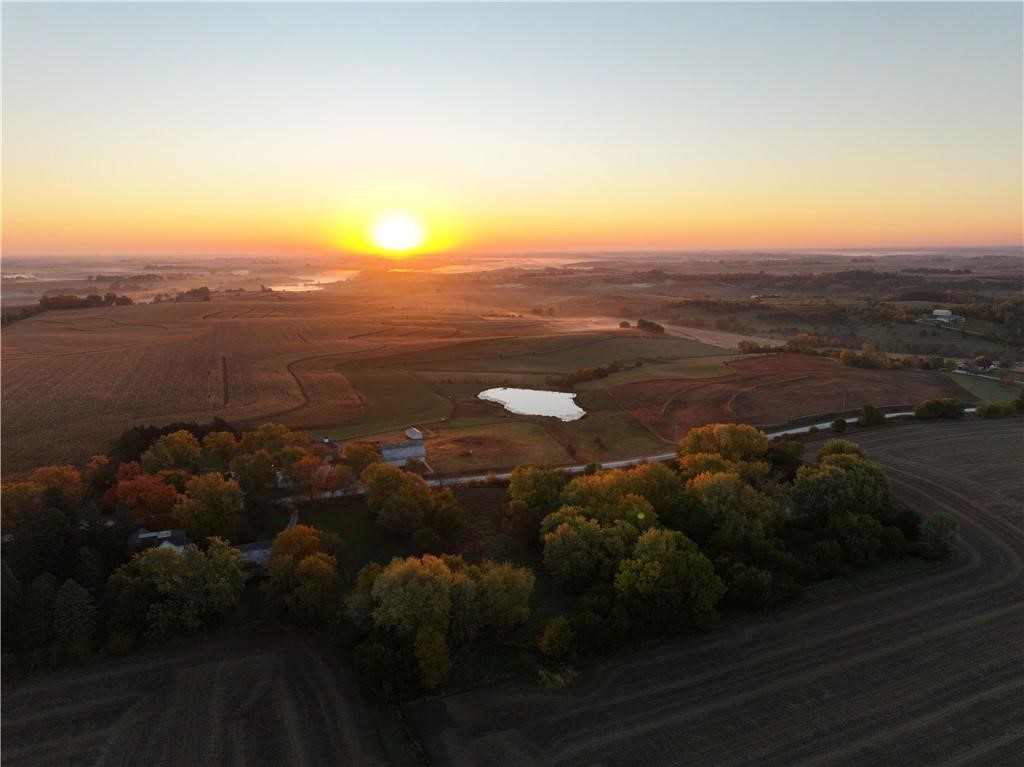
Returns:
<point x="352" y="521"/>
<point x="495" y="443"/>
<point x="605" y="433"/>
<point x="984" y="389"/>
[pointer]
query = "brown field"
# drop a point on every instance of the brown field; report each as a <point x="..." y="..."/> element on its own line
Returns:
<point x="74" y="380"/>
<point x="267" y="699"/>
<point x="925" y="670"/>
<point x="773" y="389"/>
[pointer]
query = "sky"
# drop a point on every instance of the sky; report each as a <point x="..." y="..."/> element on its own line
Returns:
<point x="288" y="129"/>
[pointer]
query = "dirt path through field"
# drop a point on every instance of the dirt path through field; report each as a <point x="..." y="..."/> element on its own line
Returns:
<point x="923" y="671"/>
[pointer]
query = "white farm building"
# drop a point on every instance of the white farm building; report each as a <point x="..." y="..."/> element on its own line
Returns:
<point x="400" y="453"/>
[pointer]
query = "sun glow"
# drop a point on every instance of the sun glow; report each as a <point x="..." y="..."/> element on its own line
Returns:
<point x="397" y="232"/>
<point x="394" y="220"/>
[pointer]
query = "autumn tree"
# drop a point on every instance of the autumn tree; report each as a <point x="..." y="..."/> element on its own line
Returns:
<point x="732" y="441"/>
<point x="272" y="437"/>
<point x="65" y="480"/>
<point x="668" y="583"/>
<point x="178" y="450"/>
<point x="360" y="455"/>
<point x="19" y="501"/>
<point x="310" y="476"/>
<point x="220" y="447"/>
<point x="313" y="596"/>
<point x="211" y="506"/>
<point x="150" y="499"/>
<point x="503" y="593"/>
<point x="558" y="640"/>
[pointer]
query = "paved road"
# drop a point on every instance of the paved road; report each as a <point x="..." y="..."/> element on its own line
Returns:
<point x="925" y="670"/>
<point x="581" y="467"/>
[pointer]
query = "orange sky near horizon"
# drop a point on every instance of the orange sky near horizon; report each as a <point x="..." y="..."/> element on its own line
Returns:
<point x="264" y="129"/>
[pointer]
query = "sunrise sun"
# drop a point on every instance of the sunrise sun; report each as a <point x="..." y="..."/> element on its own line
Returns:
<point x="397" y="232"/>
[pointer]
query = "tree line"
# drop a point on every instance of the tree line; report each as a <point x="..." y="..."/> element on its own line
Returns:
<point x="736" y="523"/>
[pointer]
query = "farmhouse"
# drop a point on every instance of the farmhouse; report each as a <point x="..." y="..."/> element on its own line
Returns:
<point x="400" y="453"/>
<point x="161" y="539"/>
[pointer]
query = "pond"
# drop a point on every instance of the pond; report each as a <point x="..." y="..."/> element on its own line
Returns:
<point x="557" y="404"/>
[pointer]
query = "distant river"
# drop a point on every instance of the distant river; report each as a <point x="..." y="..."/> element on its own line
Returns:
<point x="556" y="404"/>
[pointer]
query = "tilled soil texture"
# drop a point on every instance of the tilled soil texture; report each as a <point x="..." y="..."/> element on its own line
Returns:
<point x="925" y="670"/>
<point x="268" y="699"/>
<point x="774" y="389"/>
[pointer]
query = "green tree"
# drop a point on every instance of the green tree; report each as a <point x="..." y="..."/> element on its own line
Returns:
<point x="271" y="437"/>
<point x="220" y="447"/>
<point x="254" y="472"/>
<point x="360" y="455"/>
<point x="178" y="450"/>
<point x="163" y="592"/>
<point x="533" y="492"/>
<point x="412" y="593"/>
<point x="36" y="624"/>
<point x="840" y="447"/>
<point x="668" y="583"/>
<point x="503" y="591"/>
<point x="400" y="500"/>
<point x="870" y="416"/>
<point x="359" y="604"/>
<point x="940" y="536"/>
<point x="74" y="623"/>
<point x="948" y="407"/>
<point x="212" y="506"/>
<point x="444" y="516"/>
<point x="558" y="639"/>
<point x="432" y="656"/>
<point x="12" y="608"/>
<point x="575" y="553"/>
<point x="733" y="516"/>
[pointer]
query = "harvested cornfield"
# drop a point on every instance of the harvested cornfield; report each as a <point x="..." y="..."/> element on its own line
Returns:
<point x="774" y="389"/>
<point x="268" y="699"/>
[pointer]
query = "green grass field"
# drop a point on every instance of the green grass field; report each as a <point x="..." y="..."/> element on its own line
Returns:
<point x="392" y="399"/>
<point x="984" y="389"/>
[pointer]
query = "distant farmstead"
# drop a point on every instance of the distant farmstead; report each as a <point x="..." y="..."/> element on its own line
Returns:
<point x="945" y="315"/>
<point x="400" y="453"/>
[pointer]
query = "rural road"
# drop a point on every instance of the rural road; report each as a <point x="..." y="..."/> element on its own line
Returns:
<point x="291" y="500"/>
<point x="925" y="670"/>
